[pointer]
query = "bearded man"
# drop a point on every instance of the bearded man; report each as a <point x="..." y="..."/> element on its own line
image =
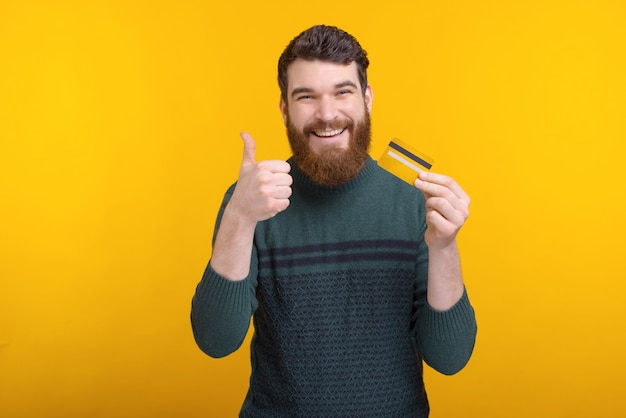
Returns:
<point x="352" y="276"/>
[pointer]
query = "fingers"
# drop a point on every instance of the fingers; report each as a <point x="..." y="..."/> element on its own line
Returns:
<point x="447" y="207"/>
<point x="274" y="185"/>
<point x="275" y="167"/>
<point x="263" y="188"/>
<point x="249" y="157"/>
<point x="439" y="209"/>
<point x="438" y="185"/>
<point x="249" y="149"/>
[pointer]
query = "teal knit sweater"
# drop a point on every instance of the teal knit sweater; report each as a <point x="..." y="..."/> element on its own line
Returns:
<point x="337" y="291"/>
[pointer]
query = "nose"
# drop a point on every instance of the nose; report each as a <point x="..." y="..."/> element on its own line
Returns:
<point x="326" y="109"/>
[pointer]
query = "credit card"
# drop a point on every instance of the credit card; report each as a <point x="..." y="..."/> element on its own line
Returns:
<point x="404" y="161"/>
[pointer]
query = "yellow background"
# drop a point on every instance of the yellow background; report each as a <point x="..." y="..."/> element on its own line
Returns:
<point x="119" y="125"/>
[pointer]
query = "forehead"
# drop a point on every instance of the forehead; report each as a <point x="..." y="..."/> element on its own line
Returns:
<point x="320" y="75"/>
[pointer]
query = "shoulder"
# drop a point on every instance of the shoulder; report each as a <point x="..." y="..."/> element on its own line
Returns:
<point x="394" y="187"/>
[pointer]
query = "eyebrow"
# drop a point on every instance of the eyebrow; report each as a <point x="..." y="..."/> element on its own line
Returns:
<point x="300" y="90"/>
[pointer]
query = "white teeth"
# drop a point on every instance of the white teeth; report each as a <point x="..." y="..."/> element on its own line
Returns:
<point x="328" y="133"/>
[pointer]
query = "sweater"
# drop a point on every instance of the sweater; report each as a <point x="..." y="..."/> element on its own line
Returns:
<point x="337" y="292"/>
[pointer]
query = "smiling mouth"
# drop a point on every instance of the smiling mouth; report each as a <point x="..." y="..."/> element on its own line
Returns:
<point x="328" y="134"/>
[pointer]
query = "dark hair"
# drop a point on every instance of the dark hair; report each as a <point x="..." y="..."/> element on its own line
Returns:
<point x="324" y="43"/>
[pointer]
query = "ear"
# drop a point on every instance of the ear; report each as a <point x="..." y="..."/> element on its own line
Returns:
<point x="369" y="98"/>
<point x="283" y="110"/>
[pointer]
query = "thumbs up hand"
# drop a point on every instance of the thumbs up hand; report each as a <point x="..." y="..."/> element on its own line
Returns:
<point x="263" y="188"/>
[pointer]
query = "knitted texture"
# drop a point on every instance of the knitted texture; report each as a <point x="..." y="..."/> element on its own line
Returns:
<point x="338" y="291"/>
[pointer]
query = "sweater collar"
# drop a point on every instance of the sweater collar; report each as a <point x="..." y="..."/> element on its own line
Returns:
<point x="306" y="183"/>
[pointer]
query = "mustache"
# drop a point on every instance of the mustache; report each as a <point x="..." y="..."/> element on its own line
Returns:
<point x="331" y="126"/>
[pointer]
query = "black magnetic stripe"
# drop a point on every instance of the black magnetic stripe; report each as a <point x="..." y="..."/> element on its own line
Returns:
<point x="410" y="155"/>
<point x="329" y="259"/>
<point x="340" y="246"/>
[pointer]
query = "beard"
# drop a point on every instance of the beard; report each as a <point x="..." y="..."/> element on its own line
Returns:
<point x="331" y="166"/>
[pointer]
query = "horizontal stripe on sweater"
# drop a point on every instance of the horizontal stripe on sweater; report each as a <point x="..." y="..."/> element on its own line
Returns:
<point x="340" y="252"/>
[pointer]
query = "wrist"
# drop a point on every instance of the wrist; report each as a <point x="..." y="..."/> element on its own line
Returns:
<point x="238" y="219"/>
<point x="447" y="248"/>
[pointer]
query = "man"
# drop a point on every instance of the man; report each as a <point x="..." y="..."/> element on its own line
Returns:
<point x="352" y="276"/>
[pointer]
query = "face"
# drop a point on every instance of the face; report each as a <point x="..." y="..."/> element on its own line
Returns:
<point x="327" y="119"/>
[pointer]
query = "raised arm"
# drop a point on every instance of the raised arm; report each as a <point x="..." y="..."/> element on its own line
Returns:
<point x="446" y="325"/>
<point x="263" y="190"/>
<point x="225" y="297"/>
<point x="447" y="208"/>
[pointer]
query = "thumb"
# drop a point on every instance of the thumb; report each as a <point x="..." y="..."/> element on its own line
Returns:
<point x="249" y="149"/>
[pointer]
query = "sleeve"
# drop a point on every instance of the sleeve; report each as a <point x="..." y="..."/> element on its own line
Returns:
<point x="221" y="308"/>
<point x="444" y="339"/>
